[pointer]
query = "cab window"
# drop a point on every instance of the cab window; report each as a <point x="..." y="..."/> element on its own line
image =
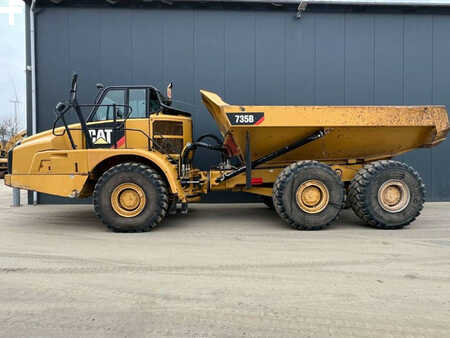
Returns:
<point x="138" y="102"/>
<point x="113" y="96"/>
<point x="154" y="106"/>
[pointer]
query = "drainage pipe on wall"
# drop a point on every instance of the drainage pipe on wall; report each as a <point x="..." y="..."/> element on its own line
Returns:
<point x="33" y="80"/>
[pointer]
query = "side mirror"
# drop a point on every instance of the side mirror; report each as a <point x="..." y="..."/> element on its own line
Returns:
<point x="169" y="91"/>
<point x="60" y="107"/>
<point x="100" y="86"/>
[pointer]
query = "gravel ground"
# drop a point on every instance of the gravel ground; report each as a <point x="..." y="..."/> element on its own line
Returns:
<point x="223" y="270"/>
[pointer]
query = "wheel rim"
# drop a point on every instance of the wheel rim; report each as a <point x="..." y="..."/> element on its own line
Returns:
<point x="312" y="196"/>
<point x="394" y="196"/>
<point x="128" y="200"/>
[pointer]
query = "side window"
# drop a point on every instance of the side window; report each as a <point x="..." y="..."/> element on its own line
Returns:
<point x="138" y="103"/>
<point x="113" y="96"/>
<point x="154" y="103"/>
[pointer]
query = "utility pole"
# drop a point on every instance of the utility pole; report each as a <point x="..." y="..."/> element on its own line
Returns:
<point x="16" y="103"/>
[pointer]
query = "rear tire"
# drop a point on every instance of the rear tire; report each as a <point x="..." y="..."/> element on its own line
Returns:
<point x="387" y="194"/>
<point x="131" y="197"/>
<point x="308" y="195"/>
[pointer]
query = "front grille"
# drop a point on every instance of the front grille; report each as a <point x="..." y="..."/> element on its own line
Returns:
<point x="10" y="161"/>
<point x="167" y="128"/>
<point x="170" y="145"/>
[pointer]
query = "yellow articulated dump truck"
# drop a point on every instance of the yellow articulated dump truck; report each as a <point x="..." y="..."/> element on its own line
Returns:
<point x="134" y="155"/>
<point x="4" y="149"/>
<point x="3" y="161"/>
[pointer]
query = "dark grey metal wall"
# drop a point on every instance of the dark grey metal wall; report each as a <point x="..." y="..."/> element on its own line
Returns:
<point x="254" y="55"/>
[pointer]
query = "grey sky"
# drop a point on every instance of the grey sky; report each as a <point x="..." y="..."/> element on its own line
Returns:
<point x="12" y="61"/>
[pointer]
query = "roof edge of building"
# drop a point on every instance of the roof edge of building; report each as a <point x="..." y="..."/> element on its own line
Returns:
<point x="421" y="3"/>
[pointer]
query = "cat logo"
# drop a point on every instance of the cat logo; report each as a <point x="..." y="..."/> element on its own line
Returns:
<point x="100" y="136"/>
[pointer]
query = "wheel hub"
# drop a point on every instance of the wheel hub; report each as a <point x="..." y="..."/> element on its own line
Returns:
<point x="128" y="200"/>
<point x="393" y="196"/>
<point x="312" y="196"/>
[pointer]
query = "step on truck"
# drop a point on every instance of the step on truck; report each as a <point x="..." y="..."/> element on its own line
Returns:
<point x="134" y="156"/>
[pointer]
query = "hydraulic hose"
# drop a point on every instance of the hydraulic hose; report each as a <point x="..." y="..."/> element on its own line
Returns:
<point x="191" y="147"/>
<point x="214" y="137"/>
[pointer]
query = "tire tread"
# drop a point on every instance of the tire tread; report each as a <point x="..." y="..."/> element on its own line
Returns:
<point x="280" y="185"/>
<point x="146" y="171"/>
<point x="360" y="184"/>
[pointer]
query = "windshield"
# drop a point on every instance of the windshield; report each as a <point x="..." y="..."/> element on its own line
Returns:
<point x="113" y="96"/>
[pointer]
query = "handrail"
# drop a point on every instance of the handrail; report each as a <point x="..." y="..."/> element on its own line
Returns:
<point x="150" y="139"/>
<point x="128" y="107"/>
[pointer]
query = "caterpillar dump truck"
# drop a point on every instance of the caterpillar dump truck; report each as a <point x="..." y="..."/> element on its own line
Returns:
<point x="3" y="161"/>
<point x="134" y="155"/>
<point x="4" y="148"/>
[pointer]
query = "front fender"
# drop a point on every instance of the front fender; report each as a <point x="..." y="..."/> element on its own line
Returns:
<point x="98" y="156"/>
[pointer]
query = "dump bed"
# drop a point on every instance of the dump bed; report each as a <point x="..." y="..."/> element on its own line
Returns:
<point x="354" y="132"/>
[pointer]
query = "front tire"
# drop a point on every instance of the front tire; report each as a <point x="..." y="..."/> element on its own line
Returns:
<point x="308" y="195"/>
<point x="387" y="194"/>
<point x="131" y="197"/>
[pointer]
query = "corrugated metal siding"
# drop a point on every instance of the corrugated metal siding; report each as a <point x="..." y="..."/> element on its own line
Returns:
<point x="254" y="56"/>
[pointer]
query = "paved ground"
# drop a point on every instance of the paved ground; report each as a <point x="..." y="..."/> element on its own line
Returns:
<point x="224" y="270"/>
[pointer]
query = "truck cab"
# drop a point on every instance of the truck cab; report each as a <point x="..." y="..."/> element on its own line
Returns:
<point x="122" y="115"/>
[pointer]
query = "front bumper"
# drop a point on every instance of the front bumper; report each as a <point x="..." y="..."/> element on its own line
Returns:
<point x="59" y="185"/>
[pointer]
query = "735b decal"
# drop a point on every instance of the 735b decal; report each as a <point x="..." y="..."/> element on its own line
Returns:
<point x="245" y="119"/>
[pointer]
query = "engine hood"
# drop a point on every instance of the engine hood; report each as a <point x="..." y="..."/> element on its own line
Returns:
<point x="24" y="152"/>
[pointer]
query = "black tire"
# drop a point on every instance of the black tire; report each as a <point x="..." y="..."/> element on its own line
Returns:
<point x="2" y="174"/>
<point x="284" y="195"/>
<point x="268" y="201"/>
<point x="365" y="187"/>
<point x="146" y="178"/>
<point x="347" y="204"/>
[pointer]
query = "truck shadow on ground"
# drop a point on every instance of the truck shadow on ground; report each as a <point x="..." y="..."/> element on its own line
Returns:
<point x="201" y="217"/>
<point x="209" y="217"/>
<point x="254" y="216"/>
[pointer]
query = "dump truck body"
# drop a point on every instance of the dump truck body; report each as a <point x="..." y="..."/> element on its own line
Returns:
<point x="363" y="133"/>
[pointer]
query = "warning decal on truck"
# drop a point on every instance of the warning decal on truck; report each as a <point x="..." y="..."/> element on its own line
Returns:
<point x="245" y="119"/>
